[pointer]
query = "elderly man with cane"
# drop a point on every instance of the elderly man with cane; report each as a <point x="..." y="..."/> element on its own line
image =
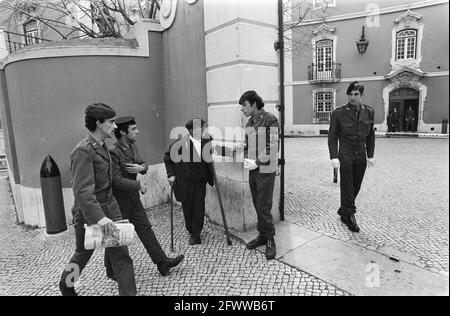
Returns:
<point x="189" y="168"/>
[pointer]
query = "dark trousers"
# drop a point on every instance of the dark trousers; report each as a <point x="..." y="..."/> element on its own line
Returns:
<point x="194" y="208"/>
<point x="133" y="210"/>
<point x="410" y="126"/>
<point x="352" y="173"/>
<point x="261" y="187"/>
<point x="122" y="265"/>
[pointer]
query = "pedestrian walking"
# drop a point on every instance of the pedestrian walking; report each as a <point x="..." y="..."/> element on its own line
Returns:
<point x="92" y="180"/>
<point x="125" y="156"/>
<point x="351" y="143"/>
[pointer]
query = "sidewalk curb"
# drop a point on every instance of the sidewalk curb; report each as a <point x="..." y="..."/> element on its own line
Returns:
<point x="411" y="135"/>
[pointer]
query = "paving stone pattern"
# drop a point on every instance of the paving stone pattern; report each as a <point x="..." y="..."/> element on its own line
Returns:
<point x="403" y="203"/>
<point x="31" y="266"/>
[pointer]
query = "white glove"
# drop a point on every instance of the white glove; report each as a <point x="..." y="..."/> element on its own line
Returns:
<point x="250" y="164"/>
<point x="371" y="162"/>
<point x="335" y="163"/>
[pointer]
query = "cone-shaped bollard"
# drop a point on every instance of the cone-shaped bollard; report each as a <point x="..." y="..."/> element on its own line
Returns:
<point x="55" y="218"/>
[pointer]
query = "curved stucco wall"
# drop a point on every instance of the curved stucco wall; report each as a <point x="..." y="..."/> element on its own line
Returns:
<point x="184" y="67"/>
<point x="47" y="98"/>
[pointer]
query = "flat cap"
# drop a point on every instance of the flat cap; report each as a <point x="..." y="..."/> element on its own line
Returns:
<point x="195" y="121"/>
<point x="100" y="111"/>
<point x="126" y="120"/>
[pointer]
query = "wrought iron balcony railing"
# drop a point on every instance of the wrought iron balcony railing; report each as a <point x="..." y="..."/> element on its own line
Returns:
<point x="329" y="72"/>
<point x="16" y="41"/>
<point x="322" y="117"/>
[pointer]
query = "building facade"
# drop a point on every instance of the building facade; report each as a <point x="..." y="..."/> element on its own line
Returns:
<point x="196" y="61"/>
<point x="405" y="65"/>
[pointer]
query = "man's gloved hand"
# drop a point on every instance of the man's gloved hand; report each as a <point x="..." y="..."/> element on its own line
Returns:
<point x="371" y="162"/>
<point x="250" y="164"/>
<point x="171" y="180"/>
<point x="108" y="227"/>
<point x="335" y="163"/>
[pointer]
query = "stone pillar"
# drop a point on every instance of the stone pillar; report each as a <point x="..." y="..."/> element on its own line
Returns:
<point x="240" y="56"/>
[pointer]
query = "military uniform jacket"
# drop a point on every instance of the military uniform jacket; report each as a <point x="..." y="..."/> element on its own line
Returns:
<point x="180" y="169"/>
<point x="93" y="177"/>
<point x="355" y="135"/>
<point x="261" y="141"/>
<point x="121" y="156"/>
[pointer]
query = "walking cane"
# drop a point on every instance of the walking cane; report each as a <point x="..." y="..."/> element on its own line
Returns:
<point x="171" y="218"/>
<point x="219" y="196"/>
<point x="335" y="175"/>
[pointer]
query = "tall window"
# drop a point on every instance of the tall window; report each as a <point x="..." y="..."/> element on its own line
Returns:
<point x="406" y="44"/>
<point x="324" y="58"/>
<point x="323" y="106"/>
<point x="31" y="32"/>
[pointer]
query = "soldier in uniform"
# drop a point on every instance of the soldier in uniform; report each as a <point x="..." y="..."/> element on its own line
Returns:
<point x="261" y="150"/>
<point x="410" y="120"/>
<point x="188" y="171"/>
<point x="352" y="127"/>
<point x="126" y="157"/>
<point x="93" y="178"/>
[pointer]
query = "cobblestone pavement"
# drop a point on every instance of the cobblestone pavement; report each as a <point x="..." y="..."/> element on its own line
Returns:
<point x="31" y="266"/>
<point x="403" y="203"/>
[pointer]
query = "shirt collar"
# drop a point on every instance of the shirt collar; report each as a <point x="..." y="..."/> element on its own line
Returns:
<point x="94" y="141"/>
<point x="354" y="107"/>
<point x="259" y="117"/>
<point x="123" y="146"/>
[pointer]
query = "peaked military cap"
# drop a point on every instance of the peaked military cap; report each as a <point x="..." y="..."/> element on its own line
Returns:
<point x="131" y="120"/>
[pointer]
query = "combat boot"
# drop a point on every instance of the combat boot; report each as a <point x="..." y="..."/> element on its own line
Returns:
<point x="165" y="266"/>
<point x="255" y="243"/>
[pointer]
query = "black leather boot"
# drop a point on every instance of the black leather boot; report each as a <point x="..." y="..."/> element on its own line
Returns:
<point x="165" y="266"/>
<point x="255" y="243"/>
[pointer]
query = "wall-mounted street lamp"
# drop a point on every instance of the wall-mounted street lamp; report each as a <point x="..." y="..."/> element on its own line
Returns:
<point x="362" y="43"/>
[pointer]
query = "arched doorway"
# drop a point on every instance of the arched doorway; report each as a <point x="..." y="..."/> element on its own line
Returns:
<point x="406" y="102"/>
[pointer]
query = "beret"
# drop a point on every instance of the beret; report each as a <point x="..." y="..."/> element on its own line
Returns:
<point x="100" y="111"/>
<point x="355" y="85"/>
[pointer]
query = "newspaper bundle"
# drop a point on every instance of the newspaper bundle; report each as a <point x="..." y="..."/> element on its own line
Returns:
<point x="94" y="238"/>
